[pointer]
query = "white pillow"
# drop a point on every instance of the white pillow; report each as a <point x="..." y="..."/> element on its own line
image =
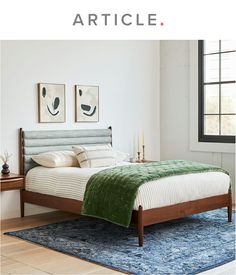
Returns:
<point x="121" y="156"/>
<point x="56" y="159"/>
<point x="93" y="156"/>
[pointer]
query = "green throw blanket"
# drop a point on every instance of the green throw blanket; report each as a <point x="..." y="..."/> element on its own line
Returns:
<point x="110" y="193"/>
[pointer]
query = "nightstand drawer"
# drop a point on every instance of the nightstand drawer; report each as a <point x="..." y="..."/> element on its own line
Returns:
<point x="12" y="184"/>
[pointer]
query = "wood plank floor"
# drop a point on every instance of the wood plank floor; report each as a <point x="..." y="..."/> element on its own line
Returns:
<point x="21" y="257"/>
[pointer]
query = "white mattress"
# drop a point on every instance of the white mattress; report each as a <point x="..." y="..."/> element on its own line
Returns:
<point x="70" y="182"/>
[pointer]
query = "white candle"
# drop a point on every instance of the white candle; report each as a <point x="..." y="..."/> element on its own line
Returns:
<point x="142" y="137"/>
<point x="134" y="149"/>
<point x="138" y="144"/>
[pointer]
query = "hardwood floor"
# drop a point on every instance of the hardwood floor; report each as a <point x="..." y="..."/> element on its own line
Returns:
<point x="21" y="257"/>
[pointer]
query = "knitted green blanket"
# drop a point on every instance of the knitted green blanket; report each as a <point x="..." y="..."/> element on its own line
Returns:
<point x="110" y="193"/>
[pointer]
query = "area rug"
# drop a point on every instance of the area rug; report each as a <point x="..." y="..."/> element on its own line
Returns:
<point x="184" y="246"/>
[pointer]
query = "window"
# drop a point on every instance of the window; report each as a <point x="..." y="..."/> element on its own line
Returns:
<point x="217" y="91"/>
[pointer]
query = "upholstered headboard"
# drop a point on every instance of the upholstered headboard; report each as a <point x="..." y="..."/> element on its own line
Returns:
<point x="35" y="142"/>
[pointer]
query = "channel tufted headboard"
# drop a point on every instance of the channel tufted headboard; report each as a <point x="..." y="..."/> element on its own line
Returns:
<point x="35" y="142"/>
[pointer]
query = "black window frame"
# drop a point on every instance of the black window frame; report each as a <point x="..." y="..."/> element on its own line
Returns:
<point x="201" y="136"/>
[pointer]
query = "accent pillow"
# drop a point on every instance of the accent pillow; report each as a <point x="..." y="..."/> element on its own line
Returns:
<point x="56" y="159"/>
<point x="93" y="156"/>
<point x="121" y="156"/>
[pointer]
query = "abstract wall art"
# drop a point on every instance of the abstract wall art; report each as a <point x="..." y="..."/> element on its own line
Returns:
<point x="86" y="103"/>
<point x="51" y="99"/>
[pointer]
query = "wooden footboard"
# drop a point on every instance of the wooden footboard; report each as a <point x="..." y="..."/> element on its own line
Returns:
<point x="157" y="215"/>
<point x="140" y="217"/>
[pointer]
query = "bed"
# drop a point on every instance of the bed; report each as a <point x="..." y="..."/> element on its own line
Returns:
<point x="63" y="188"/>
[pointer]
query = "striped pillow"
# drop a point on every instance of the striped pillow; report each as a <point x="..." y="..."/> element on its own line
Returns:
<point x="92" y="156"/>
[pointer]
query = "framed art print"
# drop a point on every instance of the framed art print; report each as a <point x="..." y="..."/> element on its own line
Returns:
<point x="51" y="99"/>
<point x="86" y="103"/>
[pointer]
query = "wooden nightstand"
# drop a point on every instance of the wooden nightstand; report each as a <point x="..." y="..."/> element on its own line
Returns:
<point x="12" y="182"/>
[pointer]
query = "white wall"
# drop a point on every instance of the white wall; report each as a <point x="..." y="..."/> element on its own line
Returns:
<point x="127" y="73"/>
<point x="175" y="111"/>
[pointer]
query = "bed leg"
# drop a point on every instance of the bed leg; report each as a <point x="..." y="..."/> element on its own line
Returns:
<point x="230" y="207"/>
<point x="22" y="204"/>
<point x="140" y="226"/>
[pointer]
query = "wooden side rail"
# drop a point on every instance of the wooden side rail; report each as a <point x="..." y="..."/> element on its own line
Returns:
<point x="141" y="217"/>
<point x="63" y="204"/>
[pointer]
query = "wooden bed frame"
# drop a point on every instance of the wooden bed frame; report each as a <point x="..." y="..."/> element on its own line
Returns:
<point x="140" y="218"/>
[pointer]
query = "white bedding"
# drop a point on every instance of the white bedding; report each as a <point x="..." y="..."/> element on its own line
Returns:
<point x="70" y="182"/>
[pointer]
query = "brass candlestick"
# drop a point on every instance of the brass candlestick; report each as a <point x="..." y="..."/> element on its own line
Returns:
<point x="143" y="160"/>
<point x="139" y="159"/>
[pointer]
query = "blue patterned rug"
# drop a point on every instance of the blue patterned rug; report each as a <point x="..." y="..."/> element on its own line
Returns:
<point x="185" y="246"/>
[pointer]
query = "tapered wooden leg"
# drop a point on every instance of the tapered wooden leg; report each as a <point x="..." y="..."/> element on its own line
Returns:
<point x="22" y="205"/>
<point x="140" y="226"/>
<point x="230" y="207"/>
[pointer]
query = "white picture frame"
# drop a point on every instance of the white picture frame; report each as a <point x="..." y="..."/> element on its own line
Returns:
<point x="51" y="103"/>
<point x="86" y="103"/>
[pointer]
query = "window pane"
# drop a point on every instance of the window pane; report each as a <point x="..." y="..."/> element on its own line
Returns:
<point x="228" y="66"/>
<point x="211" y="46"/>
<point x="228" y="125"/>
<point x="211" y="99"/>
<point x="228" y="45"/>
<point x="228" y="98"/>
<point x="211" y="124"/>
<point x="211" y="68"/>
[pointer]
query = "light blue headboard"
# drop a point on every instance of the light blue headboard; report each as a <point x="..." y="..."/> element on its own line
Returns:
<point x="35" y="142"/>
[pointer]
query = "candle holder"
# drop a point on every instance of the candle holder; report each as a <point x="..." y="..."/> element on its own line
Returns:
<point x="143" y="159"/>
<point x="139" y="159"/>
